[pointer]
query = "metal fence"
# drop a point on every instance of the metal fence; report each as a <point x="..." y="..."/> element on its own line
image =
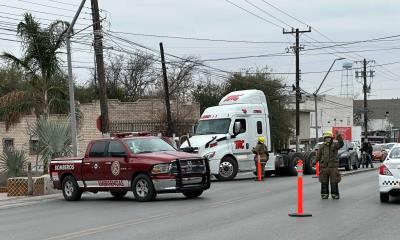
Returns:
<point x="151" y="126"/>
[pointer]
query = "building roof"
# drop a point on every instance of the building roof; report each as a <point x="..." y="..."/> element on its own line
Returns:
<point x="379" y="108"/>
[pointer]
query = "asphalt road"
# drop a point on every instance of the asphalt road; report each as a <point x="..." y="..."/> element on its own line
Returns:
<point x="229" y="210"/>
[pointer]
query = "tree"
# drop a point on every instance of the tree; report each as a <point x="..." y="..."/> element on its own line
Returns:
<point x="13" y="163"/>
<point x="54" y="139"/>
<point x="208" y="94"/>
<point x="44" y="92"/>
<point x="181" y="77"/>
<point x="11" y="79"/>
<point x="274" y="90"/>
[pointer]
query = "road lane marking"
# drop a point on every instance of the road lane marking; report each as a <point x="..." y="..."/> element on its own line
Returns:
<point x="109" y="227"/>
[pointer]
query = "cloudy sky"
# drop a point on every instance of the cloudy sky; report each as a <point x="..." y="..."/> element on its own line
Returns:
<point x="255" y="25"/>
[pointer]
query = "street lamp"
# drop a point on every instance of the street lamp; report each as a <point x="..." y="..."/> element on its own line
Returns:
<point x="316" y="100"/>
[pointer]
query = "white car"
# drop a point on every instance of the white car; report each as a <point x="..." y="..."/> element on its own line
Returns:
<point x="389" y="175"/>
<point x="356" y="147"/>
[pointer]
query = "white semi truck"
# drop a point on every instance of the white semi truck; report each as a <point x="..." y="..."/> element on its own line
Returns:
<point x="227" y="133"/>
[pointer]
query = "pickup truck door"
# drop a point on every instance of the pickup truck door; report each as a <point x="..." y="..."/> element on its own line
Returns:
<point x="93" y="162"/>
<point x="116" y="167"/>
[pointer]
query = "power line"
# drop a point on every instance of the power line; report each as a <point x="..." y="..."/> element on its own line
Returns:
<point x="254" y="14"/>
<point x="40" y="18"/>
<point x="44" y="5"/>
<point x="42" y="12"/>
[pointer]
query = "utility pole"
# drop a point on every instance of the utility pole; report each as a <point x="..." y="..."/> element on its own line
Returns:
<point x="166" y="92"/>
<point x="366" y="89"/>
<point x="365" y="99"/>
<point x="71" y="85"/>
<point x="98" y="49"/>
<point x="315" y="94"/>
<point x="297" y="49"/>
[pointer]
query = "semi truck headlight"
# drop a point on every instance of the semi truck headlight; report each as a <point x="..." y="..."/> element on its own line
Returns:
<point x="209" y="155"/>
<point x="161" y="168"/>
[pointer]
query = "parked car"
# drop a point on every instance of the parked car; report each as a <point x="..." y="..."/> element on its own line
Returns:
<point x="347" y="156"/>
<point x="388" y="146"/>
<point x="136" y="162"/>
<point x="356" y="147"/>
<point x="389" y="175"/>
<point x="378" y="152"/>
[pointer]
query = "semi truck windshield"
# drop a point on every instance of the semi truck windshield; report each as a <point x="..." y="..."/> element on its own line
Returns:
<point x="214" y="126"/>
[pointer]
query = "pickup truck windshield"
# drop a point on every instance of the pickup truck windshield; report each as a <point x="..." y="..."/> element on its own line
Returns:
<point x="215" y="126"/>
<point x="148" y="145"/>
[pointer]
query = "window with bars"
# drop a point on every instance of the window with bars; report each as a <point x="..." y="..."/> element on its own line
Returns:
<point x="8" y="144"/>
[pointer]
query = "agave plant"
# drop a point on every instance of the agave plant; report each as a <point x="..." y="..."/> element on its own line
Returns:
<point x="54" y="139"/>
<point x="13" y="163"/>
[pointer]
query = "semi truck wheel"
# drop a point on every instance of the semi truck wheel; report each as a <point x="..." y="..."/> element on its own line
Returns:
<point x="294" y="158"/>
<point x="310" y="160"/>
<point x="118" y="194"/>
<point x="227" y="169"/>
<point x="70" y="189"/>
<point x="143" y="188"/>
<point x="192" y="194"/>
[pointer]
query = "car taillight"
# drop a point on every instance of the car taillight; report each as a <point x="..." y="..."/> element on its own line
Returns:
<point x="383" y="170"/>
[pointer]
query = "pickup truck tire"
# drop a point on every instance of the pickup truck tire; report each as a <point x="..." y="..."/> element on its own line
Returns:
<point x="192" y="194"/>
<point x="143" y="188"/>
<point x="70" y="189"/>
<point x="118" y="194"/>
<point x="228" y="169"/>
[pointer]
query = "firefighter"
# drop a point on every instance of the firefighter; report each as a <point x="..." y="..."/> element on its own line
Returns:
<point x="261" y="150"/>
<point x="329" y="163"/>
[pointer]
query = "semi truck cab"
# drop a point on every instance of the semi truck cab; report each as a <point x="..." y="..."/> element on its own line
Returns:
<point x="227" y="133"/>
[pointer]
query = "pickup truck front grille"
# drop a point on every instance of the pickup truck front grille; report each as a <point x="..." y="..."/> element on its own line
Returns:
<point x="192" y="166"/>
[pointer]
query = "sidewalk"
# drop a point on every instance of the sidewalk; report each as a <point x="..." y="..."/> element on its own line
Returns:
<point x="9" y="202"/>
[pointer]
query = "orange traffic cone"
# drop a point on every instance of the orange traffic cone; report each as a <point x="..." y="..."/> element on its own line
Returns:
<point x="316" y="170"/>
<point x="259" y="176"/>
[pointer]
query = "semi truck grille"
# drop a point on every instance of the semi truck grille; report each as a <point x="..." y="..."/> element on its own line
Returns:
<point x="192" y="166"/>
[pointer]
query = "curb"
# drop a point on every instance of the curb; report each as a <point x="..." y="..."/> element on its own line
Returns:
<point x="360" y="171"/>
<point x="23" y="201"/>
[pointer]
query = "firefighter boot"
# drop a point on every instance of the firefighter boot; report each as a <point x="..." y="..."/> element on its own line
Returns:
<point x="335" y="191"/>
<point x="324" y="191"/>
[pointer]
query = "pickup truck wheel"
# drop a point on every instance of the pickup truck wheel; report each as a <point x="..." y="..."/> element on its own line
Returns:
<point x="192" y="194"/>
<point x="143" y="188"/>
<point x="118" y="194"/>
<point x="71" y="189"/>
<point x="227" y="169"/>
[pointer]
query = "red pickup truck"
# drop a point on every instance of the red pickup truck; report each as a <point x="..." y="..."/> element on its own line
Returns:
<point x="146" y="165"/>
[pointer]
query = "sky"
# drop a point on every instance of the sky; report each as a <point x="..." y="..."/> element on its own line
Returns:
<point x="257" y="23"/>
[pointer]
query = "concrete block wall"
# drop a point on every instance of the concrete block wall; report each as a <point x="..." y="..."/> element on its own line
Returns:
<point x="144" y="109"/>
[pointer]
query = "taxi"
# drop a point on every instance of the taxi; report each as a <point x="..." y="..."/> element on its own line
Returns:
<point x="389" y="175"/>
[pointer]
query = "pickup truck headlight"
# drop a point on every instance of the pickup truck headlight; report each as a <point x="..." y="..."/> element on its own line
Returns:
<point x="161" y="168"/>
<point x="209" y="155"/>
